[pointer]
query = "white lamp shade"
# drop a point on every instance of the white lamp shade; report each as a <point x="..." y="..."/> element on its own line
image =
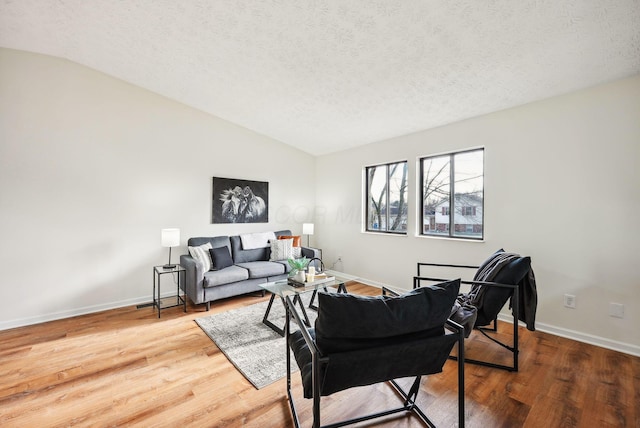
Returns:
<point x="170" y="237"/>
<point x="307" y="228"/>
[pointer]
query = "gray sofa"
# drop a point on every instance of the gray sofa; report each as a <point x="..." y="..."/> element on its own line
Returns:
<point x="251" y="268"/>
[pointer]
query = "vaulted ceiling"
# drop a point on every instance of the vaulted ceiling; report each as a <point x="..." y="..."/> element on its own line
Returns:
<point x="327" y="75"/>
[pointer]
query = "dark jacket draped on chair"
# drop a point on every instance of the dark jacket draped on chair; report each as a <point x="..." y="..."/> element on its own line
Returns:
<point x="494" y="269"/>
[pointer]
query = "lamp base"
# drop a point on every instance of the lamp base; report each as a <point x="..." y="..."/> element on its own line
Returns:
<point x="167" y="267"/>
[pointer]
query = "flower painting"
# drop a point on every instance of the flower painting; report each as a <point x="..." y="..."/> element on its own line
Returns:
<point x="240" y="201"/>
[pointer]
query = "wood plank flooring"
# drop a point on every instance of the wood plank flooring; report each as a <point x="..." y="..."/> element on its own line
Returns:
<point x="126" y="367"/>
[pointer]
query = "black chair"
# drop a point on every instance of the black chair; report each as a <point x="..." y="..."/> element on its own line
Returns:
<point x="500" y="278"/>
<point x="363" y="340"/>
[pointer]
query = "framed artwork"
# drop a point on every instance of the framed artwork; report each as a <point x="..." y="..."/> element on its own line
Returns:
<point x="240" y="201"/>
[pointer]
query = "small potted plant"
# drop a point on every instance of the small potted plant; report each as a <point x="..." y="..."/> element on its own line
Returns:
<point x="297" y="268"/>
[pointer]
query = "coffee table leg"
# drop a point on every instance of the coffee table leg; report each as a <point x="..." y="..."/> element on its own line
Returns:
<point x="341" y="289"/>
<point x="268" y="323"/>
<point x="313" y="299"/>
<point x="298" y="300"/>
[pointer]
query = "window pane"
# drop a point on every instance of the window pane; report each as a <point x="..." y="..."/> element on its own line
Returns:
<point x="377" y="197"/>
<point x="468" y="200"/>
<point x="435" y="195"/>
<point x="386" y="201"/>
<point x="453" y="194"/>
<point x="398" y="197"/>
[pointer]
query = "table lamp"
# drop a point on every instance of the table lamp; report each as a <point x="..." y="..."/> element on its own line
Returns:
<point x="170" y="238"/>
<point x="307" y="229"/>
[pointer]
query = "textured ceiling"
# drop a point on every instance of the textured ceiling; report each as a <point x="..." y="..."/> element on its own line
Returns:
<point x="328" y="75"/>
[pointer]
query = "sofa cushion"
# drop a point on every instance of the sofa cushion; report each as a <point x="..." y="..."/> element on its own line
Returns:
<point x="225" y="276"/>
<point x="215" y="241"/>
<point x="251" y="241"/>
<point x="220" y="258"/>
<point x="262" y="269"/>
<point x="285" y="263"/>
<point x="241" y="255"/>
<point x="422" y="311"/>
<point x="201" y="254"/>
<point x="281" y="249"/>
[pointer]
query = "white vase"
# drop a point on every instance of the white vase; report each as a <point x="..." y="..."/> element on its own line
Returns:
<point x="300" y="276"/>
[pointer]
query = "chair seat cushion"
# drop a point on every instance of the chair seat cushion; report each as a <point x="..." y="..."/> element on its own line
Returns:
<point x="262" y="269"/>
<point x="225" y="276"/>
<point x="390" y="360"/>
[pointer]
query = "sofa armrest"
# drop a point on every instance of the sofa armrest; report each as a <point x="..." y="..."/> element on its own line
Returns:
<point x="194" y="276"/>
<point x="311" y="253"/>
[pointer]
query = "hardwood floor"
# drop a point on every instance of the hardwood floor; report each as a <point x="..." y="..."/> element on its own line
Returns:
<point x="126" y="367"/>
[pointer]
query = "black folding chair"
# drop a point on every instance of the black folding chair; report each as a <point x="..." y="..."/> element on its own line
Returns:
<point x="504" y="286"/>
<point x="363" y="340"/>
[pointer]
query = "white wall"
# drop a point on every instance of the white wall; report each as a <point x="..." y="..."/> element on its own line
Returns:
<point x="562" y="183"/>
<point x="91" y="169"/>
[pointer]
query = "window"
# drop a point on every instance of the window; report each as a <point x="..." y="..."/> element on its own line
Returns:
<point x="466" y="211"/>
<point x="453" y="183"/>
<point x="386" y="204"/>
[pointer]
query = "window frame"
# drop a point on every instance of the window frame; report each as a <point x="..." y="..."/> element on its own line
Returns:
<point x="387" y="198"/>
<point x="450" y="229"/>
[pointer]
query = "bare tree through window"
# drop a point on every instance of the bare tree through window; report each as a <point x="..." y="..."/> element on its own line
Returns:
<point x="387" y="197"/>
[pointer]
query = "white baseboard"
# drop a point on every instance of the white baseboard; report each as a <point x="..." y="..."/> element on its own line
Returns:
<point x="626" y="348"/>
<point x="22" y="322"/>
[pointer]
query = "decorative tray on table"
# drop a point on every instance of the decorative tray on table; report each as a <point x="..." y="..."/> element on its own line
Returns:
<point x="319" y="279"/>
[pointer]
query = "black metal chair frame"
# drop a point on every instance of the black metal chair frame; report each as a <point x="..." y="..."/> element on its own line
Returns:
<point x="409" y="398"/>
<point x="513" y="348"/>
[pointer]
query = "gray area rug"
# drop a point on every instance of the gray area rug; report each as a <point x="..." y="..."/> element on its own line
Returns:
<point x="256" y="350"/>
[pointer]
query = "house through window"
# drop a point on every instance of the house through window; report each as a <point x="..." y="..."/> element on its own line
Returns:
<point x="386" y="204"/>
<point x="453" y="183"/>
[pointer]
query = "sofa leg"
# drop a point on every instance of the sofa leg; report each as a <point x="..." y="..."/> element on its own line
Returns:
<point x="208" y="305"/>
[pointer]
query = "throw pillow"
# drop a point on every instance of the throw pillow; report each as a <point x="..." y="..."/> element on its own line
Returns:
<point x="296" y="252"/>
<point x="220" y="257"/>
<point x="201" y="255"/>
<point x="297" y="241"/>
<point x="281" y="249"/>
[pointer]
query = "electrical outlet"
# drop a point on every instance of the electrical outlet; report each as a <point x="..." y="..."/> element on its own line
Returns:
<point x="339" y="258"/>
<point x="616" y="310"/>
<point x="569" y="301"/>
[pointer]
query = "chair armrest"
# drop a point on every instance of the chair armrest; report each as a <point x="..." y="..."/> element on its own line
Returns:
<point x="305" y="333"/>
<point x="454" y="326"/>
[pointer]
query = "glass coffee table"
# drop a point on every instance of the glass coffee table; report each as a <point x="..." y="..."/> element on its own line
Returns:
<point x="282" y="289"/>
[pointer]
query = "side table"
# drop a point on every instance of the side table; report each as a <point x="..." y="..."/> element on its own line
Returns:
<point x="169" y="301"/>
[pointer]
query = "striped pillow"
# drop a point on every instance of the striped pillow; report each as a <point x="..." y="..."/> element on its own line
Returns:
<point x="281" y="249"/>
<point x="202" y="256"/>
